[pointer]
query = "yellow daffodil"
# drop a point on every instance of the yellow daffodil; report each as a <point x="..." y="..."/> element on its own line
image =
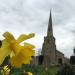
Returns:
<point x="5" y="70"/>
<point x="4" y="51"/>
<point x="18" y="54"/>
<point x="29" y="73"/>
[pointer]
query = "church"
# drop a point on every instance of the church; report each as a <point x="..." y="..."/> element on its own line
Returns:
<point x="49" y="54"/>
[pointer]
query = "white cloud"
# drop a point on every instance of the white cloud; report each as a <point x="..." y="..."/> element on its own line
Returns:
<point x="25" y="16"/>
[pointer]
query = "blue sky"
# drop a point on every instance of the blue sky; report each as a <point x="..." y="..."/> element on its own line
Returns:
<point x="26" y="16"/>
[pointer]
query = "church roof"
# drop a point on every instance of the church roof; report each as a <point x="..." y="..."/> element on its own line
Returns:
<point x="59" y="52"/>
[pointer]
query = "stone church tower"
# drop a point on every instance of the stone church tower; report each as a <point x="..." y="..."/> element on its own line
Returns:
<point x="49" y="47"/>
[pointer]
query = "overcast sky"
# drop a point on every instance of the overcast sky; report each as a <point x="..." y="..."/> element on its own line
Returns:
<point x="26" y="16"/>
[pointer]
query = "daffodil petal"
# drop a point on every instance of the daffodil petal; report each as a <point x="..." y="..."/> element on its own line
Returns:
<point x="3" y="54"/>
<point x="25" y="37"/>
<point x="12" y="54"/>
<point x="21" y="58"/>
<point x="16" y="48"/>
<point x="5" y="67"/>
<point x="5" y="44"/>
<point x="8" y="36"/>
<point x="27" y="52"/>
<point x="16" y="61"/>
<point x="6" y="70"/>
<point x="4" y="51"/>
<point x="29" y="45"/>
<point x="29" y="73"/>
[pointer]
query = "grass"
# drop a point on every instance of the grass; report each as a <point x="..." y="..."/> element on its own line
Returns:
<point x="39" y="70"/>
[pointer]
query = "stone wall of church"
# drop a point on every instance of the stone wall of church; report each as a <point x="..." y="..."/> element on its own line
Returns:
<point x="59" y="57"/>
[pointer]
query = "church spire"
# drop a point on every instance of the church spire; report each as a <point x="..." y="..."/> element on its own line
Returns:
<point x="50" y="30"/>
